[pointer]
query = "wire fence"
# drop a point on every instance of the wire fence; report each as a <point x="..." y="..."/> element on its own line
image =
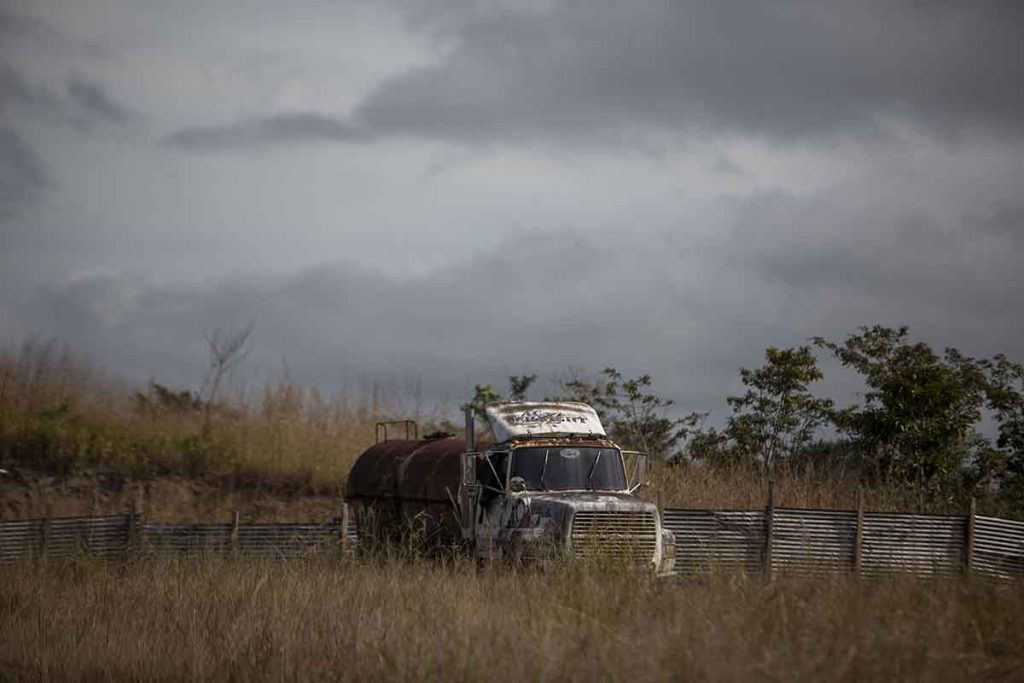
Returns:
<point x="771" y="540"/>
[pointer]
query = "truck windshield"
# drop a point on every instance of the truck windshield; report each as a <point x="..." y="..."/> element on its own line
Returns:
<point x="563" y="468"/>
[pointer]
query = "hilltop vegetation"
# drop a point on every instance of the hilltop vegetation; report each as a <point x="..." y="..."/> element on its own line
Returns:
<point x="913" y="442"/>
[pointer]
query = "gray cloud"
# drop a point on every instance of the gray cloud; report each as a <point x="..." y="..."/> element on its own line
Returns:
<point x="22" y="177"/>
<point x="17" y="93"/>
<point x="691" y="315"/>
<point x="608" y="73"/>
<point x="275" y="129"/>
<point x="85" y="105"/>
<point x="686" y="265"/>
<point x="94" y="102"/>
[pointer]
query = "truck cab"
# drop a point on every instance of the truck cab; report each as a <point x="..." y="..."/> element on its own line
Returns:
<point x="553" y="485"/>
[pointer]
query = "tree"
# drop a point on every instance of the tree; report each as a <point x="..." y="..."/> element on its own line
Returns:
<point x="634" y="416"/>
<point x="518" y="385"/>
<point x="1005" y="399"/>
<point x="227" y="350"/>
<point x="777" y="416"/>
<point x="916" y="424"/>
<point x="485" y="394"/>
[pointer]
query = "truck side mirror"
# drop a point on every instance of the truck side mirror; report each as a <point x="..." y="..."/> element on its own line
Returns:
<point x="638" y="479"/>
<point x="517" y="484"/>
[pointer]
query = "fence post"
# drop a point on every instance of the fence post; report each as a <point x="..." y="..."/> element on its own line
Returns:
<point x="129" y="539"/>
<point x="234" y="533"/>
<point x="344" y="527"/>
<point x="858" y="534"/>
<point x="44" y="534"/>
<point x="769" y="518"/>
<point x="969" y="537"/>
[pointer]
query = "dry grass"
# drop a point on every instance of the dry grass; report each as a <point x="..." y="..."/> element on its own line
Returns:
<point x="352" y="618"/>
<point x="59" y="414"/>
<point x="746" y="488"/>
<point x="362" y="619"/>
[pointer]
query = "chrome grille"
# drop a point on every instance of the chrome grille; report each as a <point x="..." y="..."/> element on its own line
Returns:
<point x="615" y="534"/>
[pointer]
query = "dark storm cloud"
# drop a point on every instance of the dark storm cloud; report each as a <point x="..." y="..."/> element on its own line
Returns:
<point x="691" y="315"/>
<point x="22" y="177"/>
<point x="605" y="73"/>
<point x="85" y="105"/>
<point x="276" y="129"/>
<point x="16" y="93"/>
<point x="517" y="309"/>
<point x="834" y="264"/>
<point x="14" y="23"/>
<point x="95" y="102"/>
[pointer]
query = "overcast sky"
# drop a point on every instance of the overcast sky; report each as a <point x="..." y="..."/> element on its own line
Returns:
<point x="450" y="192"/>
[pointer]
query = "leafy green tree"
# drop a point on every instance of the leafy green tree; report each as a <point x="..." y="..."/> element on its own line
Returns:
<point x="1005" y="399"/>
<point x="519" y="385"/>
<point x="485" y="394"/>
<point x="632" y="414"/>
<point x="777" y="416"/>
<point x="916" y="423"/>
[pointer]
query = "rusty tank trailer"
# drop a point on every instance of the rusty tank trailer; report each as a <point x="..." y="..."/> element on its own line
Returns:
<point x="551" y="484"/>
<point x="408" y="486"/>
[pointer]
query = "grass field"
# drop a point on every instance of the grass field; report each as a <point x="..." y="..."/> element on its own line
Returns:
<point x="76" y="442"/>
<point x="407" y="619"/>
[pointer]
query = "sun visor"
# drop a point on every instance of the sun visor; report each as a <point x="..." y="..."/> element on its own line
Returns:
<point x="517" y="420"/>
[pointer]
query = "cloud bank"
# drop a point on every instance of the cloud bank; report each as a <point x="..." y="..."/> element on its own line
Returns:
<point x="606" y="73"/>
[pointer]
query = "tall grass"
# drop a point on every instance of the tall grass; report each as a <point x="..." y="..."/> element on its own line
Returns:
<point x="389" y="620"/>
<point x="59" y="414"/>
<point x="744" y="488"/>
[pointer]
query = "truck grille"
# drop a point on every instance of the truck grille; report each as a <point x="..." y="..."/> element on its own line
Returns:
<point x="618" y="535"/>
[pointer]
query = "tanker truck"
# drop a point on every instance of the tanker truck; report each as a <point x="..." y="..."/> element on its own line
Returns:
<point x="549" y="485"/>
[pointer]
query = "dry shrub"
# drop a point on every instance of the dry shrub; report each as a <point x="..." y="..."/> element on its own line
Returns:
<point x="360" y="619"/>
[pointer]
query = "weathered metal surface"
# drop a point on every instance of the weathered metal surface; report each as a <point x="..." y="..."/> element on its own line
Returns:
<point x="805" y="541"/>
<point x="21" y="539"/>
<point x="525" y="419"/>
<point x="288" y="540"/>
<point x="730" y="539"/>
<point x="425" y="470"/>
<point x="998" y="547"/>
<point x="279" y="541"/>
<point x="629" y="535"/>
<point x="110" y="537"/>
<point x="926" y="545"/>
<point x="407" y="488"/>
<point x="823" y="541"/>
<point x="812" y="541"/>
<point x="105" y="536"/>
<point x="189" y="539"/>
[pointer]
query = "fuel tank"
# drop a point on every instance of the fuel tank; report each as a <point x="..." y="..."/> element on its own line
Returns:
<point x="405" y="489"/>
